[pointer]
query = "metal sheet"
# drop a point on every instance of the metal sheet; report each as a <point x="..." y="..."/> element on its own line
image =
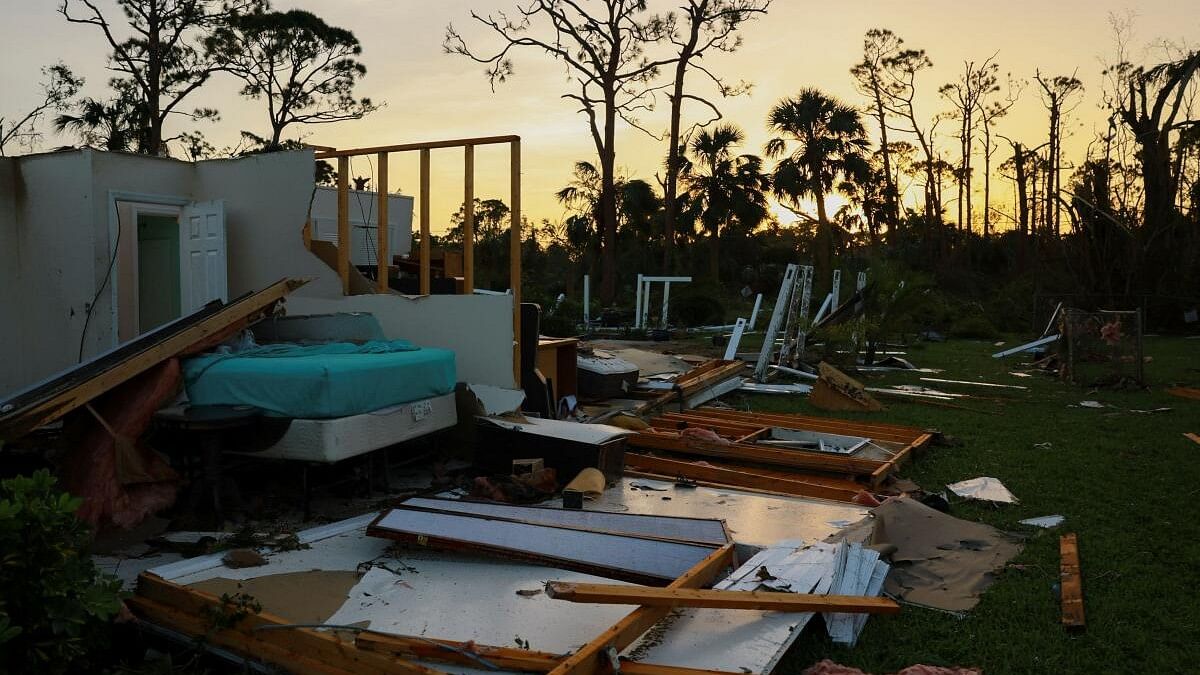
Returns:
<point x="622" y="556"/>
<point x="706" y="530"/>
<point x="752" y="519"/>
<point x="740" y="640"/>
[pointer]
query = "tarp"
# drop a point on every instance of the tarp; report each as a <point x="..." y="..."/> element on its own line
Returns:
<point x="320" y="381"/>
<point x="938" y="560"/>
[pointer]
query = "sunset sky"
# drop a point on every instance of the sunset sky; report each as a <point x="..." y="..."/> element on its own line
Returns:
<point x="431" y="95"/>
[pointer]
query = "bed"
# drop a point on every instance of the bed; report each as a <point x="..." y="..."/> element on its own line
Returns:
<point x="323" y="381"/>
<point x="325" y="441"/>
<point x="343" y="399"/>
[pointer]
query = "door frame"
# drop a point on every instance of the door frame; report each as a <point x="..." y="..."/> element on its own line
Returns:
<point x="139" y="203"/>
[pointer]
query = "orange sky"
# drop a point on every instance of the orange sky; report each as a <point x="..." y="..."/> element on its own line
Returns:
<point x="431" y="95"/>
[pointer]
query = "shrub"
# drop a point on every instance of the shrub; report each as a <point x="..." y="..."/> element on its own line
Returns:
<point x="55" y="605"/>
<point x="973" y="327"/>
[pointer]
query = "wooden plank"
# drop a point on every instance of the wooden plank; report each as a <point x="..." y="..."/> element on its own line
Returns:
<point x="1195" y="438"/>
<point x="343" y="223"/>
<point x="469" y="220"/>
<point x="383" y="250"/>
<point x="54" y="398"/>
<point x="873" y="429"/>
<point x="233" y="641"/>
<point x="739" y="477"/>
<point x="747" y="452"/>
<point x="590" y="657"/>
<point x="1071" y="583"/>
<point x="505" y="658"/>
<point x="426" y="145"/>
<point x="611" y="594"/>
<point x="514" y="252"/>
<point x="426" y="245"/>
<point x="254" y="633"/>
<point x="1184" y="392"/>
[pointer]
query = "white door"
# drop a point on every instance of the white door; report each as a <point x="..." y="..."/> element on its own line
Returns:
<point x="202" y="271"/>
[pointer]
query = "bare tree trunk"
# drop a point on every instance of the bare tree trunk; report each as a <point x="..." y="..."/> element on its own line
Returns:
<point x="608" y="202"/>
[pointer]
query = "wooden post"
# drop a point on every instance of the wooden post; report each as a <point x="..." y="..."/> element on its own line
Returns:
<point x="469" y="220"/>
<point x="514" y="254"/>
<point x="426" y="248"/>
<point x="343" y="210"/>
<point x="383" y="252"/>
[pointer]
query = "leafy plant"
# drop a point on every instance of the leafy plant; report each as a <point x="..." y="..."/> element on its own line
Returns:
<point x="55" y="605"/>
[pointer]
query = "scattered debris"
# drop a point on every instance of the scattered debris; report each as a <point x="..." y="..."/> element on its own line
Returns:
<point x="1046" y="522"/>
<point x="837" y="391"/>
<point x="244" y="557"/>
<point x="985" y="488"/>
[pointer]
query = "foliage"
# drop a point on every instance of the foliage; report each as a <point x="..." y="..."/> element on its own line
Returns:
<point x="59" y="86"/>
<point x="304" y="68"/>
<point x="54" y="604"/>
<point x="163" y="61"/>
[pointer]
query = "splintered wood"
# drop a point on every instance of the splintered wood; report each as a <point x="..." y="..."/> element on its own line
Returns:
<point x="1071" y="583"/>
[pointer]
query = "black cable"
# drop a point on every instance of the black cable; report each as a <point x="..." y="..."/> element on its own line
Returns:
<point x="107" y="275"/>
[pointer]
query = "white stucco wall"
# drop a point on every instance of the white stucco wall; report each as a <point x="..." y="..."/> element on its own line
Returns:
<point x="478" y="328"/>
<point x="56" y="242"/>
<point x="47" y="250"/>
<point x="266" y="205"/>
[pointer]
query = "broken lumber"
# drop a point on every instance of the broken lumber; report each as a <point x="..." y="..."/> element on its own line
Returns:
<point x="1071" y="583"/>
<point x="590" y="657"/>
<point x="837" y="391"/>
<point x="1195" y="438"/>
<point x="257" y="635"/>
<point x="612" y="594"/>
<point x="504" y="658"/>
<point x="795" y="484"/>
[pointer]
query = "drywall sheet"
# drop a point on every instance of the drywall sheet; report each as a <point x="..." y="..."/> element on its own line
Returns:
<point x="708" y="531"/>
<point x="563" y="429"/>
<point x="752" y="519"/>
<point x="477" y="328"/>
<point x="475" y="599"/>
<point x="622" y="557"/>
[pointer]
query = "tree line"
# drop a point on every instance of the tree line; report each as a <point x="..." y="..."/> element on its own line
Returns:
<point x="1121" y="220"/>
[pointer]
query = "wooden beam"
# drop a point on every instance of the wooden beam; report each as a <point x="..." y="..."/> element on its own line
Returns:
<point x="1071" y="583"/>
<point x="427" y="145"/>
<point x="383" y="251"/>
<point x="505" y="658"/>
<point x="343" y="223"/>
<point x="256" y="634"/>
<point x="1195" y="438"/>
<point x="469" y="220"/>
<point x="426" y="245"/>
<point x="740" y="477"/>
<point x="514" y="251"/>
<point x="612" y="594"/>
<point x="51" y="400"/>
<point x="590" y="657"/>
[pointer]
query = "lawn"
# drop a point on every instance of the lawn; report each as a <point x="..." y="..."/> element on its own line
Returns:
<point x="1127" y="483"/>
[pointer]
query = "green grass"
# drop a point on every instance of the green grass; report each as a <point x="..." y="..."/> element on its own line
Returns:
<point x="1127" y="483"/>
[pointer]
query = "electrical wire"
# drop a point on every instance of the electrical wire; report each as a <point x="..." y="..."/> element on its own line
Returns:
<point x="107" y="275"/>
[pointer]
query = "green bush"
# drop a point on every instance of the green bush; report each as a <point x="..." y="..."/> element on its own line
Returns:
<point x="55" y="606"/>
<point x="693" y="306"/>
<point x="973" y="327"/>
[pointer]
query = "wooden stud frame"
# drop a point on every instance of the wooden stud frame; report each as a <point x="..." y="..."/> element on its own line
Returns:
<point x="424" y="148"/>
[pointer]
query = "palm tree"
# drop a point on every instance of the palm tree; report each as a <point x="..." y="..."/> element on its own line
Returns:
<point x="116" y="125"/>
<point x="724" y="189"/>
<point x="829" y="141"/>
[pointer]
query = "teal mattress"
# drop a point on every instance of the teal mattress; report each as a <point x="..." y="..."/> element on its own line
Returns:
<point x="320" y="381"/>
